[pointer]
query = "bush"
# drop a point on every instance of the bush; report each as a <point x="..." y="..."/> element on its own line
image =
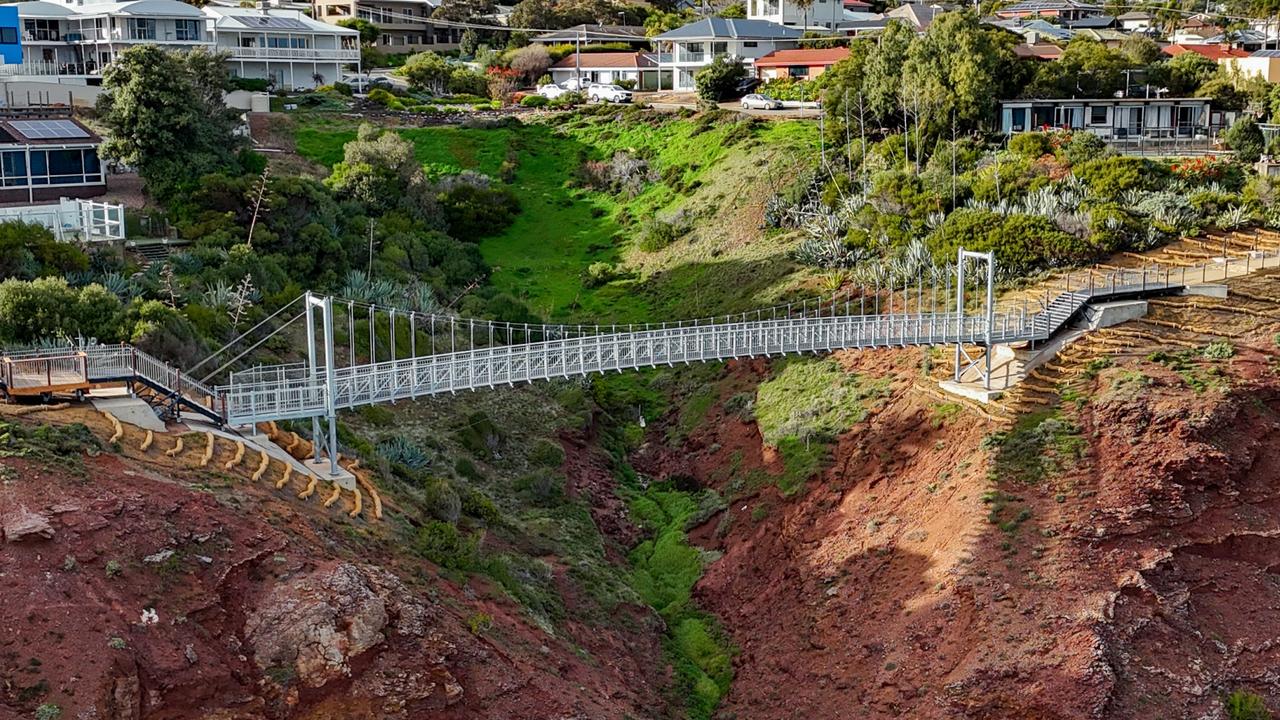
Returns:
<point x="534" y="101"/>
<point x="477" y="505"/>
<point x="1020" y="242"/>
<point x="1244" y="137"/>
<point x="718" y="80"/>
<point x="250" y="84"/>
<point x="600" y="274"/>
<point x="1110" y="177"/>
<point x="382" y="97"/>
<point x="657" y="233"/>
<point x="1241" y="705"/>
<point x="544" y="487"/>
<point x="1031" y="145"/>
<point x="442" y="544"/>
<point x="547" y="453"/>
<point x="441" y="500"/>
<point x="48" y="711"/>
<point x="569" y="99"/>
<point x="1083" y="147"/>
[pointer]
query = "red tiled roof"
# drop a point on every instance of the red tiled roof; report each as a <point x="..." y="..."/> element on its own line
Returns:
<point x="1213" y="52"/>
<point x="607" y="60"/>
<point x="804" y="56"/>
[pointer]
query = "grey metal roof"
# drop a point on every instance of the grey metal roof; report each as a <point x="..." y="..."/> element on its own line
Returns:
<point x="594" y="32"/>
<point x="1095" y="22"/>
<point x="1266" y="53"/>
<point x="718" y="27"/>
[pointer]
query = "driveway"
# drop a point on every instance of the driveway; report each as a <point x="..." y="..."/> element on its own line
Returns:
<point x="676" y="101"/>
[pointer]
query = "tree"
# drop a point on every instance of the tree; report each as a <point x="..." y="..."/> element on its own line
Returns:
<point x="469" y="43"/>
<point x="718" y="79"/>
<point x="953" y="71"/>
<point x="1184" y="74"/>
<point x="427" y="71"/>
<point x="368" y="31"/>
<point x="1244" y="137"/>
<point x="535" y="14"/>
<point x="379" y="170"/>
<point x="531" y="61"/>
<point x="1087" y="68"/>
<point x="736" y="11"/>
<point x="1141" y="50"/>
<point x="29" y="250"/>
<point x="884" y="71"/>
<point x="166" y="116"/>
<point x="659" y="21"/>
<point x="49" y="308"/>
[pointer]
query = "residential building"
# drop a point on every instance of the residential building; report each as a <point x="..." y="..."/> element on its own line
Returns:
<point x="1065" y="10"/>
<point x="1194" y="30"/>
<point x="63" y="42"/>
<point x="1136" y="21"/>
<point x="1113" y="118"/>
<point x="284" y="46"/>
<point x="1249" y="40"/>
<point x="1261" y="63"/>
<point x="47" y="156"/>
<point x="631" y="34"/>
<point x="1107" y="36"/>
<point x="610" y="67"/>
<point x="72" y="44"/>
<point x="1221" y="54"/>
<point x="1093" y="22"/>
<point x="799" y="64"/>
<point x="405" y="25"/>
<point x="819" y="14"/>
<point x="1037" y="51"/>
<point x="696" y="45"/>
<point x="10" y="36"/>
<point x="917" y="15"/>
<point x="857" y="6"/>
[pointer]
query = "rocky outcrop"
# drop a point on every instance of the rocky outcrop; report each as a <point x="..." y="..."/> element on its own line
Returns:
<point x="23" y="524"/>
<point x="313" y="627"/>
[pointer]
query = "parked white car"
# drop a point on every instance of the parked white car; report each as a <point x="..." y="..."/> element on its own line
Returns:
<point x="608" y="93"/>
<point x="756" y="101"/>
<point x="577" y="84"/>
<point x="551" y="91"/>
<point x="359" y="81"/>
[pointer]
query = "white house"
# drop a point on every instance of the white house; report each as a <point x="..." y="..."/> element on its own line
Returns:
<point x="71" y="43"/>
<point x="821" y="14"/>
<point x="640" y="68"/>
<point x="696" y="45"/>
<point x="1113" y="118"/>
<point x="284" y="46"/>
<point x="1135" y="21"/>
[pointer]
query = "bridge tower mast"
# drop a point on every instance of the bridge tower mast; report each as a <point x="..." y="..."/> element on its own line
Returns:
<point x="965" y="362"/>
<point x="323" y="442"/>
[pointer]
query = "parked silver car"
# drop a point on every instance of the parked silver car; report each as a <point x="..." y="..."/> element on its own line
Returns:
<point x="608" y="93"/>
<point x="756" y="101"/>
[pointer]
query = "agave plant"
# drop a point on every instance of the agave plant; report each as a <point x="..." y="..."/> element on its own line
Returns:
<point x="218" y="295"/>
<point x="421" y="298"/>
<point x="361" y="287"/>
<point x="124" y="288"/>
<point x="1234" y="217"/>
<point x="401" y="450"/>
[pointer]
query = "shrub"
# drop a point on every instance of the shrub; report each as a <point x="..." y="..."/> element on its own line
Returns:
<point x="547" y="453"/>
<point x="48" y="711"/>
<point x="442" y="544"/>
<point x="1031" y="145"/>
<point x="1110" y="177"/>
<point x="534" y="101"/>
<point x="1244" y="137"/>
<point x="381" y="96"/>
<point x="117" y="643"/>
<point x="480" y="435"/>
<point x="718" y="80"/>
<point x="545" y="487"/>
<point x="1219" y="350"/>
<point x="477" y="505"/>
<point x="599" y="274"/>
<point x="657" y="233"/>
<point x="569" y="99"/>
<point x="113" y="568"/>
<point x="441" y="500"/>
<point x="250" y="84"/>
<point x="1083" y="147"/>
<point x="1241" y="705"/>
<point x="479" y="623"/>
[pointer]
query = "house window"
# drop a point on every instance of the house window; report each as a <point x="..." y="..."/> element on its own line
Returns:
<point x="750" y="43"/>
<point x="1098" y="115"/>
<point x="719" y="48"/>
<point x="13" y="166"/>
<point x="8" y="36"/>
<point x="35" y="29"/>
<point x="142" y="29"/>
<point x="694" y="52"/>
<point x="187" y="30"/>
<point x="798" y="71"/>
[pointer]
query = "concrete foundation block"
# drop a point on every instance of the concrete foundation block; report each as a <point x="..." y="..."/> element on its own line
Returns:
<point x="1107" y="314"/>
<point x="972" y="391"/>
<point x="1207" y="290"/>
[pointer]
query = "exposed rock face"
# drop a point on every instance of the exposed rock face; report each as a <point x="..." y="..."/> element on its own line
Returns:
<point x="23" y="524"/>
<point x="317" y="624"/>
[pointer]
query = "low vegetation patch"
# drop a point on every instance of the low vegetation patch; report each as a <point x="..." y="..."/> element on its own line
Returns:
<point x="1040" y="445"/>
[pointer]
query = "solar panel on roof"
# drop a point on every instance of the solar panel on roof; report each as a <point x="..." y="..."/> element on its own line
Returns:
<point x="48" y="129"/>
<point x="266" y="21"/>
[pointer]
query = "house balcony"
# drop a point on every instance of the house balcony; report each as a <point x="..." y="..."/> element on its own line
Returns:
<point x="50" y="69"/>
<point x="329" y="54"/>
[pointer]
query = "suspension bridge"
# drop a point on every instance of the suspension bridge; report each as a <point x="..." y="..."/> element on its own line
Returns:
<point x="439" y="353"/>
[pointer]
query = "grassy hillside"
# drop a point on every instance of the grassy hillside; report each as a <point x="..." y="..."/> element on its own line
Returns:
<point x="709" y="176"/>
